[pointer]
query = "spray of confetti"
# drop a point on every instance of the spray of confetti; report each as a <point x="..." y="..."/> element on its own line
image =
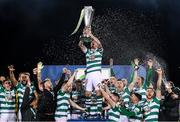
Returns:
<point x="125" y="34"/>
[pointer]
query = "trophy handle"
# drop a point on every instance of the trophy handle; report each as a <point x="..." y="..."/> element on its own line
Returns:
<point x="79" y="22"/>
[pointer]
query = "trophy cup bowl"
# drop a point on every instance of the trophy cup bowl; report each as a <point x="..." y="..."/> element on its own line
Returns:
<point x="88" y="16"/>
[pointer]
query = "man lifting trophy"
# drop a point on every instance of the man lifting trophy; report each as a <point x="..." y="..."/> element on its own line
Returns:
<point x="93" y="58"/>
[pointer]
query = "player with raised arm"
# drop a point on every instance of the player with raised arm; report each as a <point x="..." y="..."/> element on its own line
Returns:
<point x="93" y="67"/>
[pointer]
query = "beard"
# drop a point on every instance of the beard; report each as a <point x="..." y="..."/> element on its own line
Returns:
<point x="24" y="82"/>
<point x="120" y="88"/>
<point x="8" y="88"/>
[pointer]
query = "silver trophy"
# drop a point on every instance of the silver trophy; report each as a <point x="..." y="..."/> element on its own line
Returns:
<point x="87" y="13"/>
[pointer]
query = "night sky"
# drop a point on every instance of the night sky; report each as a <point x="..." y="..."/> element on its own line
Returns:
<point x="38" y="30"/>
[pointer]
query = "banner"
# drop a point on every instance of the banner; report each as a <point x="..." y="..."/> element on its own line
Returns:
<point x="121" y="71"/>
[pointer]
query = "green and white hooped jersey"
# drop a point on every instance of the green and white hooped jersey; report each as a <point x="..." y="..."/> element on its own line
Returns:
<point x="114" y="114"/>
<point x="142" y="92"/>
<point x="138" y="112"/>
<point x="152" y="113"/>
<point x="93" y="108"/>
<point x="112" y="88"/>
<point x="62" y="104"/>
<point x="93" y="60"/>
<point x="21" y="90"/>
<point x="76" y="95"/>
<point x="7" y="101"/>
<point x="126" y="96"/>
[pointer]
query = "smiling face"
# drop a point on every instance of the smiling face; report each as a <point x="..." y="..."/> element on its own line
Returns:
<point x="113" y="80"/>
<point x="133" y="98"/>
<point x="139" y="81"/>
<point x="149" y="93"/>
<point x="125" y="81"/>
<point x="7" y="84"/>
<point x="120" y="85"/>
<point x="24" y="77"/>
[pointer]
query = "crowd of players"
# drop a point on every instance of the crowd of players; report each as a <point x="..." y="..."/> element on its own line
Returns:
<point x="94" y="98"/>
<point x="122" y="100"/>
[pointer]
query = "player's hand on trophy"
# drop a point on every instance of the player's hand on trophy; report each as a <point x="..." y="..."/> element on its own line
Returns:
<point x="85" y="30"/>
<point x="11" y="68"/>
<point x="89" y="31"/>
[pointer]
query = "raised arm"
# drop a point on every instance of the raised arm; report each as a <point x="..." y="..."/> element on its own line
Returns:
<point x="135" y="73"/>
<point x="70" y="81"/>
<point x="11" y="74"/>
<point x="89" y="33"/>
<point x="107" y="90"/>
<point x="60" y="82"/>
<point x="132" y="75"/>
<point x="159" y="82"/>
<point x="73" y="104"/>
<point x="82" y="46"/>
<point x="39" y="68"/>
<point x="107" y="97"/>
<point x="149" y="74"/>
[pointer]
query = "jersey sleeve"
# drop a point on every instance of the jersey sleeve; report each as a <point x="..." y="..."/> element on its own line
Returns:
<point x="18" y="85"/>
<point x="1" y="88"/>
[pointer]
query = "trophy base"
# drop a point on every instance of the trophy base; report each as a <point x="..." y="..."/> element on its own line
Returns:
<point x="85" y="39"/>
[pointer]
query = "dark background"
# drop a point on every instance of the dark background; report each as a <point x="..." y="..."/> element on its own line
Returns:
<point x="38" y="30"/>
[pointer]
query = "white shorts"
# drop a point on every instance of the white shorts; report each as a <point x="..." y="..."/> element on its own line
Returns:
<point x="134" y="120"/>
<point x="93" y="79"/>
<point x="62" y="119"/>
<point x="75" y="116"/>
<point x="5" y="117"/>
<point x="123" y="118"/>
